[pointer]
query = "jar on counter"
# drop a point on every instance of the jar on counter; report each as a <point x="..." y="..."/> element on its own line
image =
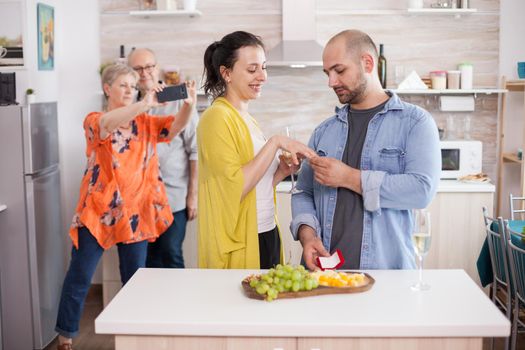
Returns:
<point x="466" y="75"/>
<point x="453" y="77"/>
<point x="147" y="5"/>
<point x="439" y="79"/>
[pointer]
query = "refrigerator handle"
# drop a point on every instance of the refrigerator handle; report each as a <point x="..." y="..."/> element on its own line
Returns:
<point x="31" y="241"/>
<point x="26" y="137"/>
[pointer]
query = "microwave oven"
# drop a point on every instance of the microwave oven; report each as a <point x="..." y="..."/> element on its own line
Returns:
<point x="460" y="158"/>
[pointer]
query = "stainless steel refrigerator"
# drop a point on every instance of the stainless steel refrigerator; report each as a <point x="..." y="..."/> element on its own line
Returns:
<point x="32" y="236"/>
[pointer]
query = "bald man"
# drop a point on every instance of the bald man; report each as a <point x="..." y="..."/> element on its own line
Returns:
<point x="178" y="168"/>
<point x="378" y="158"/>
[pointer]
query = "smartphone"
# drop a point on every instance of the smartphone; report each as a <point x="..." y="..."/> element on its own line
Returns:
<point x="172" y="93"/>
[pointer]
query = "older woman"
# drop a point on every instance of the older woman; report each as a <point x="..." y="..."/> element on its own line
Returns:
<point x="122" y="199"/>
<point x="238" y="166"/>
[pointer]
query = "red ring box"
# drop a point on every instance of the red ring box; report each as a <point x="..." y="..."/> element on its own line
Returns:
<point x="331" y="262"/>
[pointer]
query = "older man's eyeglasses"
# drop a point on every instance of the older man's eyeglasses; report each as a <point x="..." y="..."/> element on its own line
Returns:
<point x="147" y="69"/>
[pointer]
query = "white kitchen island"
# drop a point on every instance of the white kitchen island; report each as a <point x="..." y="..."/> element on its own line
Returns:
<point x="206" y="309"/>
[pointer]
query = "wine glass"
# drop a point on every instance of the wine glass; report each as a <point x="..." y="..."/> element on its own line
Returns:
<point x="289" y="132"/>
<point x="421" y="237"/>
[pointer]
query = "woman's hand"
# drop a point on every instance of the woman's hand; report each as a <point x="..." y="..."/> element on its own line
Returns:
<point x="150" y="98"/>
<point x="296" y="149"/>
<point x="285" y="168"/>
<point x="192" y="92"/>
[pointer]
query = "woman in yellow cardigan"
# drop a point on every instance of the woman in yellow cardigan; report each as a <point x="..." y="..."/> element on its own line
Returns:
<point x="238" y="167"/>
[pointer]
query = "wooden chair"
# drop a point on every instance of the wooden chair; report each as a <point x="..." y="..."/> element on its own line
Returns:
<point x="500" y="289"/>
<point x="516" y="253"/>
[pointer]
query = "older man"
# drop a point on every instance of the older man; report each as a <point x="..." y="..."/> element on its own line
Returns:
<point x="178" y="167"/>
<point x="378" y="158"/>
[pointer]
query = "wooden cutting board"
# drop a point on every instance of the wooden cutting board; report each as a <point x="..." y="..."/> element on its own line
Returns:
<point x="321" y="290"/>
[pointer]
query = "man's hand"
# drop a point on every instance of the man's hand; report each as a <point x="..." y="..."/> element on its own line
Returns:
<point x="191" y="206"/>
<point x="312" y="246"/>
<point x="334" y="173"/>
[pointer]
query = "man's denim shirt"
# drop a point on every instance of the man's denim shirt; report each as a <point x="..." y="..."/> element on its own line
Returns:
<point x="400" y="168"/>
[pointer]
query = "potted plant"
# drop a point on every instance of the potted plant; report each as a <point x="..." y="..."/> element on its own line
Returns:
<point x="30" y="96"/>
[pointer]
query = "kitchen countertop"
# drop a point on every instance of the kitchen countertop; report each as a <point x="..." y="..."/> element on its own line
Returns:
<point x="203" y="302"/>
<point x="444" y="186"/>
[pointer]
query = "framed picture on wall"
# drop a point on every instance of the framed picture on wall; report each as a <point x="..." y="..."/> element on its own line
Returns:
<point x="46" y="36"/>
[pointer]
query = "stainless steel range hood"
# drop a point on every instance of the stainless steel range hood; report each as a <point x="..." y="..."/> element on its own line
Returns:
<point x="299" y="47"/>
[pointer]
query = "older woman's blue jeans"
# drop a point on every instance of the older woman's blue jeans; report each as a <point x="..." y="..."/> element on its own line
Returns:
<point x="83" y="263"/>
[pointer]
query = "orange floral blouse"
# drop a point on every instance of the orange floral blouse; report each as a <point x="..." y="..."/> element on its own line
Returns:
<point x="122" y="197"/>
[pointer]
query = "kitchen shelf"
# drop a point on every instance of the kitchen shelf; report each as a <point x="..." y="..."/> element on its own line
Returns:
<point x="12" y="68"/>
<point x="486" y="91"/>
<point x="3" y="207"/>
<point x="505" y="158"/>
<point x="361" y="12"/>
<point x="409" y="11"/>
<point x="516" y="85"/>
<point x="511" y="158"/>
<point x="155" y="13"/>
<point x="439" y="11"/>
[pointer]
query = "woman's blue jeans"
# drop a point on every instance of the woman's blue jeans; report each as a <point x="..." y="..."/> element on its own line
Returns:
<point x="83" y="263"/>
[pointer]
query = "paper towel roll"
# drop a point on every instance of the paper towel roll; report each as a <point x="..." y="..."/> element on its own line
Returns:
<point x="456" y="103"/>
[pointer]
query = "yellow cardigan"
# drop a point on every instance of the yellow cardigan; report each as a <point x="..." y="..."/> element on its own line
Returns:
<point x="227" y="226"/>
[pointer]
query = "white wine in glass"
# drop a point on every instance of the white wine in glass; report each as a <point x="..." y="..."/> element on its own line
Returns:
<point x="421" y="238"/>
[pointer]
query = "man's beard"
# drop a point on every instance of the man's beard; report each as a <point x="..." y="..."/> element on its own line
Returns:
<point x="355" y="95"/>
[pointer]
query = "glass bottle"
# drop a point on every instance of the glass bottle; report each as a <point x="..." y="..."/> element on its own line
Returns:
<point x="381" y="67"/>
<point x="122" y="57"/>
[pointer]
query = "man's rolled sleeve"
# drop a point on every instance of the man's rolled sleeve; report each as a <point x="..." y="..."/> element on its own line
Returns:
<point x="190" y="136"/>
<point x="371" y="189"/>
<point x="304" y="219"/>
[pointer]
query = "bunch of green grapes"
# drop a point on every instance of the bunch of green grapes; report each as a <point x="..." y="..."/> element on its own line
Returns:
<point x="283" y="278"/>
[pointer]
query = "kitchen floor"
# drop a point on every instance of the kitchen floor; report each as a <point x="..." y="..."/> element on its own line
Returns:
<point x="88" y="340"/>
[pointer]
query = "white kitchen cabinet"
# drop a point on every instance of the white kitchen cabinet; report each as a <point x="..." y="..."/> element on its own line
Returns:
<point x="457" y="230"/>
